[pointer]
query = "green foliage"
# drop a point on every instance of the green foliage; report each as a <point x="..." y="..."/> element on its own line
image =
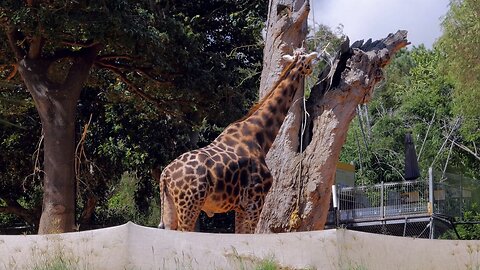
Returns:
<point x="121" y="206"/>
<point x="427" y="92"/>
<point x="459" y="45"/>
<point x="323" y="38"/>
<point x="470" y="231"/>
<point x="199" y="60"/>
<point x="271" y="264"/>
<point x="18" y="141"/>
<point x="466" y="231"/>
<point x="417" y="98"/>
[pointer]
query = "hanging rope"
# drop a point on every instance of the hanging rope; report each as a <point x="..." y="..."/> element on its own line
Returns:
<point x="295" y="219"/>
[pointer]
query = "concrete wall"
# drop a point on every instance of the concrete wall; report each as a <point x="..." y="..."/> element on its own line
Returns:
<point x="98" y="249"/>
<point x="135" y="247"/>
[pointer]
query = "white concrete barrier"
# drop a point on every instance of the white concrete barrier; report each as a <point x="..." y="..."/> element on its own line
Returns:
<point x="131" y="246"/>
<point x="97" y="249"/>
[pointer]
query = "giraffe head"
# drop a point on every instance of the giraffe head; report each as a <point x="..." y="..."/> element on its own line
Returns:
<point x="301" y="60"/>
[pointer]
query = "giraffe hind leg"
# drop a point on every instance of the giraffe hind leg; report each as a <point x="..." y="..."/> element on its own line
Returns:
<point x="169" y="218"/>
<point x="188" y="215"/>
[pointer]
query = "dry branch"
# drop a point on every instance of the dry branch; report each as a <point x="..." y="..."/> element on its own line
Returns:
<point x="159" y="104"/>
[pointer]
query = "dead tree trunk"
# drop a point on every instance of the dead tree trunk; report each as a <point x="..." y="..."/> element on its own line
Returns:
<point x="300" y="197"/>
<point x="286" y="30"/>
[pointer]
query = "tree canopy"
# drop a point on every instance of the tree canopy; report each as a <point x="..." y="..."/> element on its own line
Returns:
<point x="431" y="93"/>
<point x="461" y="61"/>
<point x="416" y="97"/>
<point x="170" y="75"/>
<point x="167" y="78"/>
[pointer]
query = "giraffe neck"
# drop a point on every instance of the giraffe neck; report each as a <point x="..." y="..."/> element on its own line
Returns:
<point x="266" y="121"/>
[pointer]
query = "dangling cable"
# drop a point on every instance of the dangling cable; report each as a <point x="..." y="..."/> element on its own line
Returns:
<point x="295" y="218"/>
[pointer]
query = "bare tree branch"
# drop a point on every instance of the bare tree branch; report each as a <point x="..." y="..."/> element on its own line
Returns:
<point x="465" y="148"/>
<point x="447" y="138"/>
<point x="114" y="57"/>
<point x="14" y="71"/>
<point x="159" y="104"/>
<point x="144" y="71"/>
<point x="14" y="37"/>
<point x="78" y="44"/>
<point x="36" y="45"/>
<point x="79" y="70"/>
<point x="31" y="216"/>
<point x="426" y="135"/>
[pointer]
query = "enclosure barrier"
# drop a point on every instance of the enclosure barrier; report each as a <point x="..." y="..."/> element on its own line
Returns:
<point x="407" y="198"/>
<point x="131" y="246"/>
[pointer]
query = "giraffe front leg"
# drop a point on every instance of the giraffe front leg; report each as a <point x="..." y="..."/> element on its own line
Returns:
<point x="251" y="220"/>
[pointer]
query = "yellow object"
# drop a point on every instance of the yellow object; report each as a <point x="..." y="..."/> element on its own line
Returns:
<point x="345" y="166"/>
<point x="294" y="221"/>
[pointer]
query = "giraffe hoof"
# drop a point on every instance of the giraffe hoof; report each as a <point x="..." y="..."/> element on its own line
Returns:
<point x="161" y="225"/>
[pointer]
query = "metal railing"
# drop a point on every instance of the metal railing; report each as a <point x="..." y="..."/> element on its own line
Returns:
<point x="451" y="200"/>
<point x="400" y="199"/>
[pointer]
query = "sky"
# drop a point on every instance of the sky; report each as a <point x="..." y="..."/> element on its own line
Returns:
<point x="363" y="19"/>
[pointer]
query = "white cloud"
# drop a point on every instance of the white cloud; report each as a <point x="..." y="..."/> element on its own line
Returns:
<point x="363" y="19"/>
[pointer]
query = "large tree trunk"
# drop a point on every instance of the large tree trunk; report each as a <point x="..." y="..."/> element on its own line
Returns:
<point x="300" y="196"/>
<point x="286" y="31"/>
<point x="56" y="104"/>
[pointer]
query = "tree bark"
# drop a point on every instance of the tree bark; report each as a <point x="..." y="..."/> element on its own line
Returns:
<point x="286" y="30"/>
<point x="300" y="196"/>
<point x="56" y="105"/>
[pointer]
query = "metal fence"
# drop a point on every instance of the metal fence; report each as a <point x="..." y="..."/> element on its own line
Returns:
<point x="408" y="198"/>
<point x="451" y="200"/>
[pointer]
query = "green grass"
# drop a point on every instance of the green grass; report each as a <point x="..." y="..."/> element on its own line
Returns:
<point x="268" y="264"/>
<point x="57" y="263"/>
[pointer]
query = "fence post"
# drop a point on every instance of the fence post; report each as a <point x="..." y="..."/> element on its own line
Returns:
<point x="430" y="191"/>
<point x="430" y="203"/>
<point x="382" y="210"/>
<point x="335" y="205"/>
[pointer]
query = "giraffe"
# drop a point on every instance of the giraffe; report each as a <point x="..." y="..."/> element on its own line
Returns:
<point x="231" y="173"/>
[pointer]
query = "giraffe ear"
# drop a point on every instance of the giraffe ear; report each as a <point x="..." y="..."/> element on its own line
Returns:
<point x="288" y="58"/>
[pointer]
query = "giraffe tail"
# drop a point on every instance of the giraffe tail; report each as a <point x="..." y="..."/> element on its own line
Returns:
<point x="157" y="174"/>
